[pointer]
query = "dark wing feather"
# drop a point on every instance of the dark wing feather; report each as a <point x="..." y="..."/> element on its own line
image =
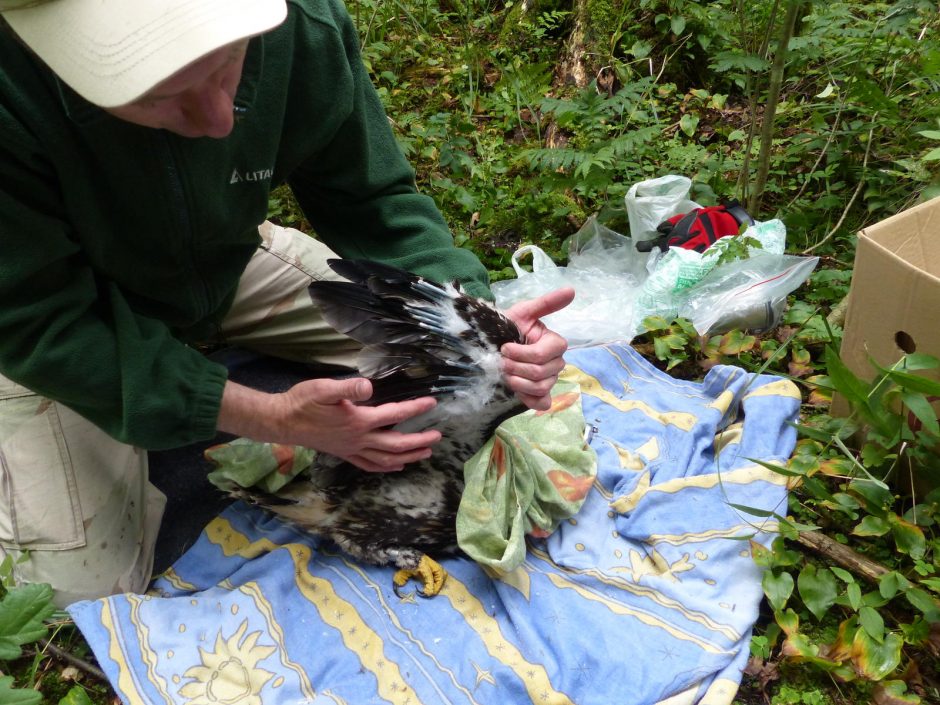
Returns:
<point x="397" y="371"/>
<point x="421" y="338"/>
<point x="360" y="271"/>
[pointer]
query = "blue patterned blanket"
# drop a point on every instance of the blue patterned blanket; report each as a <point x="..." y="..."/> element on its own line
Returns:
<point x="648" y="595"/>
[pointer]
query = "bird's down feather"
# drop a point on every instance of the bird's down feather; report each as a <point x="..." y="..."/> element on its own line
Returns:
<point x="419" y="339"/>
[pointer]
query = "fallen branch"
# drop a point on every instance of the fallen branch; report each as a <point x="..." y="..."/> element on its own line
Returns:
<point x="851" y="560"/>
<point x="836" y="316"/>
<point x="73" y="660"/>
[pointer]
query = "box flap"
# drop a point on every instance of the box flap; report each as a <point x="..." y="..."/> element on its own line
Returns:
<point x="912" y="236"/>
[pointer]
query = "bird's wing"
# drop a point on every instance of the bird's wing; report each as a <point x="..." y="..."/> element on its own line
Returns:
<point x="421" y="338"/>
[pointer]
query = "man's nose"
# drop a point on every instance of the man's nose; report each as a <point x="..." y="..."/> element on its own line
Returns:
<point x="210" y="110"/>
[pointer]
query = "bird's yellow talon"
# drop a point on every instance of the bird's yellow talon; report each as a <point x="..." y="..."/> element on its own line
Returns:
<point x="429" y="571"/>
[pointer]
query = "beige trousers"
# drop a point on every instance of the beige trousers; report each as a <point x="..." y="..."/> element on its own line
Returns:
<point x="76" y="507"/>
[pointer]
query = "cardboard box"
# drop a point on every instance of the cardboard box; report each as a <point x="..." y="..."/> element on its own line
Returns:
<point x="894" y="299"/>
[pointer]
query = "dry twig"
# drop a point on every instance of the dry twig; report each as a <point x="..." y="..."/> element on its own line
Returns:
<point x="73" y="660"/>
<point x="851" y="560"/>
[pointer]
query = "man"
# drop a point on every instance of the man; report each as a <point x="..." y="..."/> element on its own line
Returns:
<point x="138" y="146"/>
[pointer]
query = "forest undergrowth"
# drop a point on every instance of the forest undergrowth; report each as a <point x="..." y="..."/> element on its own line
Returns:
<point x="525" y="119"/>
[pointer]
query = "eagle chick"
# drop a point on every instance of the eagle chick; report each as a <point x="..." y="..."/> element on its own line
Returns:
<point x="419" y="339"/>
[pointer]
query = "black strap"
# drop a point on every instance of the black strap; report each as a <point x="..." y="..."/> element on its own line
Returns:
<point x="683" y="228"/>
<point x="736" y="210"/>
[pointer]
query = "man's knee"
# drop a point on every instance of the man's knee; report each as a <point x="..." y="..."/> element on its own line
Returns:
<point x="76" y="509"/>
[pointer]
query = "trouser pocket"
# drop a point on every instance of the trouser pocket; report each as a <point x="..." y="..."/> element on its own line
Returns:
<point x="39" y="505"/>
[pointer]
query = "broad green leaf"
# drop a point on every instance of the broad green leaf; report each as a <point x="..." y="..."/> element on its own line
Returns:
<point x="763" y="556"/>
<point x="845" y="501"/>
<point x="677" y="24"/>
<point x="818" y="589"/>
<point x="17" y="696"/>
<point x="921" y="361"/>
<point x="875" y="660"/>
<point x="784" y="556"/>
<point x="930" y="134"/>
<point x="815" y="433"/>
<point x="922" y="600"/>
<point x="735" y="342"/>
<point x="872" y="622"/>
<point x="933" y="155"/>
<point x="917" y="632"/>
<point x="800" y="645"/>
<point x="640" y="49"/>
<point x="688" y="124"/>
<point x="874" y="455"/>
<point x="922" y="409"/>
<point x="790" y="529"/>
<point x="778" y="588"/>
<point x="872" y="526"/>
<point x="843" y="575"/>
<point x="876" y="497"/>
<point x="854" y="593"/>
<point x="654" y="323"/>
<point x="788" y="620"/>
<point x="22" y="612"/>
<point x="908" y="537"/>
<point x="932" y="583"/>
<point x="675" y="341"/>
<point x="914" y="383"/>
<point x="844" y="380"/>
<point x="874" y="599"/>
<point x="76" y="696"/>
<point x="888" y="585"/>
<point x="894" y="693"/>
<point x="661" y="348"/>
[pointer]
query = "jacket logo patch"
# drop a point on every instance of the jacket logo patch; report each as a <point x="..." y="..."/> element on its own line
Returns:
<point x="259" y="175"/>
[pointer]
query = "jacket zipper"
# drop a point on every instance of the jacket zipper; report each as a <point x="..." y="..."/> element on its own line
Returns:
<point x="183" y="218"/>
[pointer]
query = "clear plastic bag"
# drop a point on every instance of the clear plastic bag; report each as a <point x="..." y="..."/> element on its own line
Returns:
<point x="749" y="294"/>
<point x="674" y="275"/>
<point x="651" y="202"/>
<point x="606" y="272"/>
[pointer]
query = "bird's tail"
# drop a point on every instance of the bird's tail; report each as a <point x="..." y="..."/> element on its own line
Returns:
<point x="299" y="502"/>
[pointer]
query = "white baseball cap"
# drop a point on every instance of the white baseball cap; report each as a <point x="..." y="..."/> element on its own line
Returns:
<point x="111" y="52"/>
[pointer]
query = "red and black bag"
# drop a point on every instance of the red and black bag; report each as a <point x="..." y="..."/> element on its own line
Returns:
<point x="698" y="229"/>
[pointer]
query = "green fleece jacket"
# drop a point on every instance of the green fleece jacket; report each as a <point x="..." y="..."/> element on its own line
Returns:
<point x="119" y="243"/>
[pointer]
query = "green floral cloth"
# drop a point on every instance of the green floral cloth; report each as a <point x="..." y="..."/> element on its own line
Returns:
<point x="247" y="463"/>
<point x="533" y="474"/>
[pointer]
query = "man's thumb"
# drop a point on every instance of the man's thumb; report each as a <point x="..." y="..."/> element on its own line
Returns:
<point x="355" y="389"/>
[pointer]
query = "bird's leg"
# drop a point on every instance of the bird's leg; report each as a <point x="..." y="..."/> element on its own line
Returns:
<point x="429" y="571"/>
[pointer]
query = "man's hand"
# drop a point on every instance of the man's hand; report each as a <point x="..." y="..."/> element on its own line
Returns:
<point x="323" y="414"/>
<point x="532" y="369"/>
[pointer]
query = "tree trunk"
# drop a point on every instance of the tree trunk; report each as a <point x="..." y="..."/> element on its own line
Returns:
<point x="770" y="108"/>
<point x="572" y="69"/>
